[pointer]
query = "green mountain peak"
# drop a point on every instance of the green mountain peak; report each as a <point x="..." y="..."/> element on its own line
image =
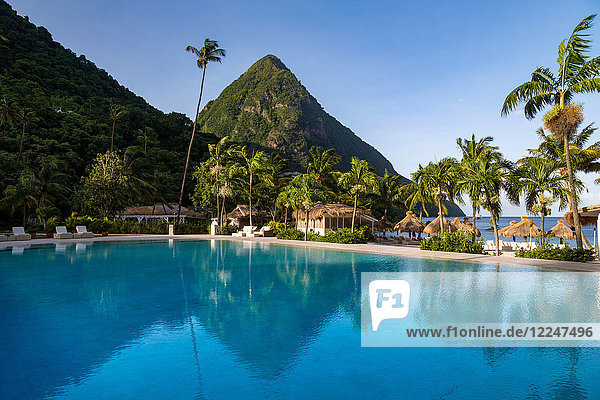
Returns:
<point x="268" y="107"/>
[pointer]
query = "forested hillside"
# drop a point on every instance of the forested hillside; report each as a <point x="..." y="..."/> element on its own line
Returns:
<point x="57" y="111"/>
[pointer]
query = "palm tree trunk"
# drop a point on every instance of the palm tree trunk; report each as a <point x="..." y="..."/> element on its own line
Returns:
<point x="573" y="195"/>
<point x="496" y="237"/>
<point x="112" y="135"/>
<point x="22" y="138"/>
<point x="250" y="199"/>
<point x="24" y="212"/>
<point x="354" y="210"/>
<point x="187" y="159"/>
<point x="440" y="212"/>
<point x="543" y="214"/>
<point x="474" y="219"/>
<point x="306" y="227"/>
<point x="421" y="214"/>
<point x="286" y="213"/>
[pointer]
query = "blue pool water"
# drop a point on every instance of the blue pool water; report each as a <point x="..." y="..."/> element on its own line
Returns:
<point x="229" y="320"/>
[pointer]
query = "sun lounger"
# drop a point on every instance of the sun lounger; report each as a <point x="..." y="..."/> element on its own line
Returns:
<point x="61" y="233"/>
<point x="265" y="231"/>
<point x="247" y="231"/>
<point x="19" y="233"/>
<point x="82" y="232"/>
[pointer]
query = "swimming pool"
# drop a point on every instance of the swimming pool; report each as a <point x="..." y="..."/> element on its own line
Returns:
<point x="225" y="319"/>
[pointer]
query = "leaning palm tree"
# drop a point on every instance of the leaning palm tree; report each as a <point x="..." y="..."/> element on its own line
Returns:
<point x="116" y="112"/>
<point x="210" y="52"/>
<point x="361" y="178"/>
<point x="250" y="165"/>
<point x="441" y="177"/>
<point x="537" y="177"/>
<point x="471" y="150"/>
<point x="577" y="73"/>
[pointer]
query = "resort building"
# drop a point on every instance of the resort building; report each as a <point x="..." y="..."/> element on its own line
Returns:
<point x="240" y="215"/>
<point x="323" y="218"/>
<point x="162" y="211"/>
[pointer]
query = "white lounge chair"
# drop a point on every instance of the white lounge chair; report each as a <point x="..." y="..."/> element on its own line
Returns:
<point x="247" y="231"/>
<point x="265" y="231"/>
<point x="19" y="233"/>
<point x="61" y="233"/>
<point x="82" y="232"/>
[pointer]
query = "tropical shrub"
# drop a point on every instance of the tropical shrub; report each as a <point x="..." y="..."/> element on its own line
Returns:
<point x="455" y="242"/>
<point x="361" y="234"/>
<point x="555" y="253"/>
<point x="277" y="226"/>
<point x="127" y="226"/>
<point x="228" y="229"/>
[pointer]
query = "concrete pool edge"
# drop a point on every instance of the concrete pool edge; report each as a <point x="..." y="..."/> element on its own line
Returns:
<point x="370" y="248"/>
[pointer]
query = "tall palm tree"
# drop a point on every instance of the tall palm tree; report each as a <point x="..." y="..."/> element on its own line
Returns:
<point x="49" y="181"/>
<point x="208" y="53"/>
<point x="361" y="178"/>
<point x="8" y="112"/>
<point x="577" y="73"/>
<point x="322" y="164"/>
<point x="441" y="177"/>
<point x="388" y="192"/>
<point x="537" y="177"/>
<point x="250" y="165"/>
<point x="488" y="175"/>
<point x="20" y="196"/>
<point x="284" y="199"/>
<point x="146" y="135"/>
<point x="220" y="154"/>
<point x="25" y="115"/>
<point x="271" y="179"/>
<point x="116" y="112"/>
<point x="471" y="150"/>
<point x="304" y="192"/>
<point x="417" y="193"/>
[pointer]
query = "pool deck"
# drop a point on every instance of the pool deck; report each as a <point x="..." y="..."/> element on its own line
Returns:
<point x="371" y="248"/>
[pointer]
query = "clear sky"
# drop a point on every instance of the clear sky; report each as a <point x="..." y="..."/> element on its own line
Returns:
<point x="409" y="77"/>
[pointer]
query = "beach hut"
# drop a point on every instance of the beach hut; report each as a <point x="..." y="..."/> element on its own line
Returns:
<point x="587" y="216"/>
<point x="323" y="218"/>
<point x="433" y="227"/>
<point x="524" y="228"/>
<point x="562" y="231"/>
<point x="162" y="211"/>
<point x="240" y="215"/>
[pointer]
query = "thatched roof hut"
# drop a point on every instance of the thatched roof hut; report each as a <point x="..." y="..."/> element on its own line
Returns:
<point x="471" y="227"/>
<point x="587" y="216"/>
<point x="560" y="230"/>
<point x="434" y="226"/>
<point x="524" y="228"/>
<point x="332" y="216"/>
<point x="410" y="224"/>
<point x="240" y="215"/>
<point x="159" y="211"/>
<point x="383" y="225"/>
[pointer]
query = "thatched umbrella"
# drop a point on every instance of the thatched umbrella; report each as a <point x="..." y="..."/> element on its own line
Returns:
<point x="434" y="226"/>
<point x="503" y="230"/>
<point x="562" y="231"/>
<point x="383" y="225"/>
<point x="410" y="224"/>
<point x="470" y="225"/>
<point x="524" y="228"/>
<point x="583" y="220"/>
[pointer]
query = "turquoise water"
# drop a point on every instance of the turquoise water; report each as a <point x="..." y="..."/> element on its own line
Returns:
<point x="228" y="320"/>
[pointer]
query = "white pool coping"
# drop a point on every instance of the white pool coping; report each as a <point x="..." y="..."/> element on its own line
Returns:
<point x="370" y="248"/>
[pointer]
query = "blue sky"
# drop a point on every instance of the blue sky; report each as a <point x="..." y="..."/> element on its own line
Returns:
<point x="408" y="77"/>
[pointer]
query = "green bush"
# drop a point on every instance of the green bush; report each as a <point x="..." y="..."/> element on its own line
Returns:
<point x="455" y="242"/>
<point x="278" y="226"/>
<point x="361" y="234"/>
<point x="555" y="253"/>
<point x="128" y="226"/>
<point x="228" y="229"/>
